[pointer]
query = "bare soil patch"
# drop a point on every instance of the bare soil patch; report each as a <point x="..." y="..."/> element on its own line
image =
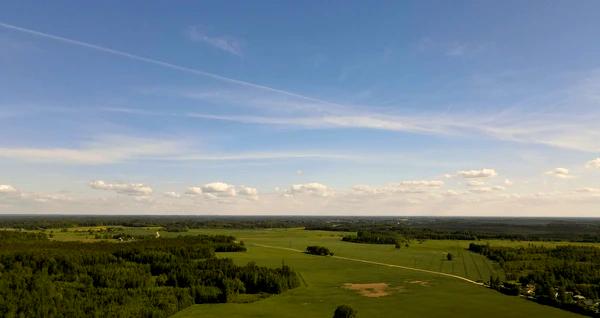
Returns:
<point x="372" y="289"/>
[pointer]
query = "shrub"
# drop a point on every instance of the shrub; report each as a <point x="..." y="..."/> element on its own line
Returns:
<point x="344" y="311"/>
<point x="318" y="250"/>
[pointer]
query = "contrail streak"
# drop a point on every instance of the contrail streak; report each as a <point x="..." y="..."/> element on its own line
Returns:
<point x="163" y="63"/>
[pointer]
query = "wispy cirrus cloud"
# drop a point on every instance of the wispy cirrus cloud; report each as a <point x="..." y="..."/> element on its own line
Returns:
<point x="159" y="63"/>
<point x="255" y="156"/>
<point x="402" y="187"/>
<point x="390" y="123"/>
<point x="569" y="132"/>
<point x="524" y="122"/>
<point x="103" y="150"/>
<point x="198" y="33"/>
<point x="114" y="149"/>
<point x="528" y="121"/>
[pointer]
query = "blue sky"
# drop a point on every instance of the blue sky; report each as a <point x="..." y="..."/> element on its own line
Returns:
<point x="423" y="108"/>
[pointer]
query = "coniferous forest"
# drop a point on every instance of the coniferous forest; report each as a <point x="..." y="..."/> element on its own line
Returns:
<point x="147" y="277"/>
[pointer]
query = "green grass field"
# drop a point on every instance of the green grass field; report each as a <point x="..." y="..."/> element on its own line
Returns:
<point x="410" y="293"/>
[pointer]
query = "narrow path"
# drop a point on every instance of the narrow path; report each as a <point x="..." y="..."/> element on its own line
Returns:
<point x="376" y="263"/>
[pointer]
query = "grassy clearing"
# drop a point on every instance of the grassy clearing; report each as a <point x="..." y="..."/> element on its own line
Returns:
<point x="430" y="255"/>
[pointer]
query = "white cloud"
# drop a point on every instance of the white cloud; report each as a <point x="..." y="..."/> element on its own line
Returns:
<point x="365" y="189"/>
<point x="172" y="194"/>
<point x="194" y="190"/>
<point x="593" y="163"/>
<point x="134" y="189"/>
<point x="483" y="173"/>
<point x="409" y="197"/>
<point x="220" y="190"/>
<point x="313" y="188"/>
<point x="225" y="43"/>
<point x="13" y="194"/>
<point x="562" y="173"/>
<point x="6" y="188"/>
<point x="248" y="191"/>
<point x="475" y="183"/>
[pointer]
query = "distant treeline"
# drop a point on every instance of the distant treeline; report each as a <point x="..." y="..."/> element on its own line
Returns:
<point x="372" y="237"/>
<point x="563" y="276"/>
<point x="143" y="278"/>
<point x="369" y="237"/>
<point x="580" y="230"/>
<point x="170" y="223"/>
<point x="438" y="228"/>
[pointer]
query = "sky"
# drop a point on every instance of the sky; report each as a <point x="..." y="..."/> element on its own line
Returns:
<point x="478" y="108"/>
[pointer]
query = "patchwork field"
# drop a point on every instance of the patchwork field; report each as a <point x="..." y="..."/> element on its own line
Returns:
<point x="378" y="280"/>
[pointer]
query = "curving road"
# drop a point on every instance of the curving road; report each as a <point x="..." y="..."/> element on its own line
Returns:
<point x="377" y="263"/>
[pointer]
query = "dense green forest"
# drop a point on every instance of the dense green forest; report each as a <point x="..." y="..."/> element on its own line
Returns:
<point x="470" y="229"/>
<point x="379" y="238"/>
<point x="147" y="277"/>
<point x="564" y="276"/>
<point x="372" y="237"/>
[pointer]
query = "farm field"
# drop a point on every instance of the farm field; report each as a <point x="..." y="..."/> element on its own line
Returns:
<point x="376" y="290"/>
